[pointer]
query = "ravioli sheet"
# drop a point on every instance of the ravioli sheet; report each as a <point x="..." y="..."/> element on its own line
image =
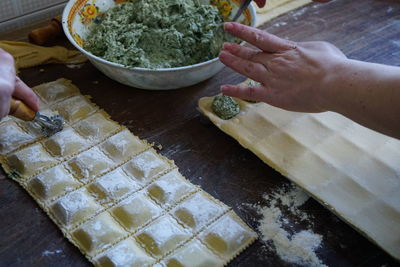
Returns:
<point x="111" y="194"/>
<point x="275" y="8"/>
<point x="353" y="171"/>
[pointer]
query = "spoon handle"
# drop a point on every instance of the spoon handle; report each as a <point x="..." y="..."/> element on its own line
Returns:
<point x="20" y="110"/>
<point x="243" y="6"/>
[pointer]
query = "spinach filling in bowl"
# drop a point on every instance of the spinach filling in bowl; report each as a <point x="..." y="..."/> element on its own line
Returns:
<point x="158" y="34"/>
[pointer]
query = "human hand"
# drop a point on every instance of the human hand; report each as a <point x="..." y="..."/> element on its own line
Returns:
<point x="293" y="76"/>
<point x="11" y="85"/>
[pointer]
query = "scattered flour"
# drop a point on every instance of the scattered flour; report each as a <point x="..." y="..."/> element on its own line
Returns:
<point x="278" y="24"/>
<point x="299" y="12"/>
<point x="75" y="66"/>
<point x="298" y="248"/>
<point x="50" y="253"/>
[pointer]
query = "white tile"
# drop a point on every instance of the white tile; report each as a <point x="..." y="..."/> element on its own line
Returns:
<point x="8" y="9"/>
<point x="26" y="20"/>
<point x="28" y="6"/>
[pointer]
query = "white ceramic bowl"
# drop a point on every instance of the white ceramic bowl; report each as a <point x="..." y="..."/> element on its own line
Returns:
<point x="79" y="14"/>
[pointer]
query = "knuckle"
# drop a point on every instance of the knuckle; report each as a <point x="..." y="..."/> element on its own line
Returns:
<point x="325" y="45"/>
<point x="255" y="56"/>
<point x="6" y="88"/>
<point x="251" y="91"/>
<point x="257" y="37"/>
<point x="248" y="68"/>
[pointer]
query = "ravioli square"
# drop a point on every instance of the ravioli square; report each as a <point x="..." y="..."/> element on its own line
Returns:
<point x="123" y="145"/>
<point x="112" y="186"/>
<point x="75" y="108"/>
<point x="169" y="188"/>
<point x="193" y="254"/>
<point x="56" y="91"/>
<point x="53" y="182"/>
<point x="74" y="207"/>
<point x="96" y="127"/>
<point x="136" y="211"/>
<point x="197" y="211"/>
<point x="30" y="160"/>
<point x="98" y="233"/>
<point x="88" y="164"/>
<point x="65" y="143"/>
<point x="146" y="166"/>
<point x="227" y="236"/>
<point x="161" y="236"/>
<point x="125" y="253"/>
<point x="13" y="136"/>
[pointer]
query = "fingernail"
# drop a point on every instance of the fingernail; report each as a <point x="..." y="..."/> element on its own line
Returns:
<point x="226" y="46"/>
<point x="224" y="88"/>
<point x="222" y="54"/>
<point x="228" y="26"/>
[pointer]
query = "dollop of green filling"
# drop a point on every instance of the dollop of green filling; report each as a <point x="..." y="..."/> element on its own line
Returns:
<point x="225" y="107"/>
<point x="158" y="34"/>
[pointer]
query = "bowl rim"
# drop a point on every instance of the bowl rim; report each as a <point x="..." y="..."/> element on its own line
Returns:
<point x="64" y="21"/>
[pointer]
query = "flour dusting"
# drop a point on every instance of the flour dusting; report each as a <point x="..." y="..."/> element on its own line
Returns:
<point x="50" y="253"/>
<point x="298" y="247"/>
<point x="278" y="24"/>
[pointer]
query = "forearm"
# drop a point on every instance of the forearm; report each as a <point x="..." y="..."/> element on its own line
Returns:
<point x="367" y="93"/>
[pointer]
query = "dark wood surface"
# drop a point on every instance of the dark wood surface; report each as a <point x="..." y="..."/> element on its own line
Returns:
<point x="366" y="30"/>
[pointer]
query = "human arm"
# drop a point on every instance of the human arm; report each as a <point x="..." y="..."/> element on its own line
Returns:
<point x="11" y="85"/>
<point x="314" y="77"/>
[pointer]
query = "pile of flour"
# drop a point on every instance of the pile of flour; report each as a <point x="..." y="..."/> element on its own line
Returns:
<point x="298" y="247"/>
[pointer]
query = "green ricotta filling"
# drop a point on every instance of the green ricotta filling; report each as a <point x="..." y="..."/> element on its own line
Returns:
<point x="225" y="107"/>
<point x="158" y="34"/>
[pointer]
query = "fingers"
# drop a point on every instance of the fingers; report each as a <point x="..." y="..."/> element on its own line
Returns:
<point x="253" y="70"/>
<point x="247" y="53"/>
<point x="26" y="95"/>
<point x="7" y="67"/>
<point x="240" y="51"/>
<point x="7" y="81"/>
<point x="5" y="97"/>
<point x="257" y="93"/>
<point x="263" y="40"/>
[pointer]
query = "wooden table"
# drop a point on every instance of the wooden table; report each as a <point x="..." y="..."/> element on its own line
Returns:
<point x="366" y="30"/>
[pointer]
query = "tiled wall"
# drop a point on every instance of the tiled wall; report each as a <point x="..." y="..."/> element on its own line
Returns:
<point x="15" y="14"/>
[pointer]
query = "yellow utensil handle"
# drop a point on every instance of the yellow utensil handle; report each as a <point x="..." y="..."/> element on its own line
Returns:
<point x="20" y="110"/>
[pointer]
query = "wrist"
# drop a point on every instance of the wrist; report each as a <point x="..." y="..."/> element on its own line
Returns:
<point x="367" y="93"/>
<point x="332" y="83"/>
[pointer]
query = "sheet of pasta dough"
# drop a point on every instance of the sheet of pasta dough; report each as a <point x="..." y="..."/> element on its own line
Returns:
<point x="275" y="8"/>
<point x="112" y="194"/>
<point x="352" y="170"/>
